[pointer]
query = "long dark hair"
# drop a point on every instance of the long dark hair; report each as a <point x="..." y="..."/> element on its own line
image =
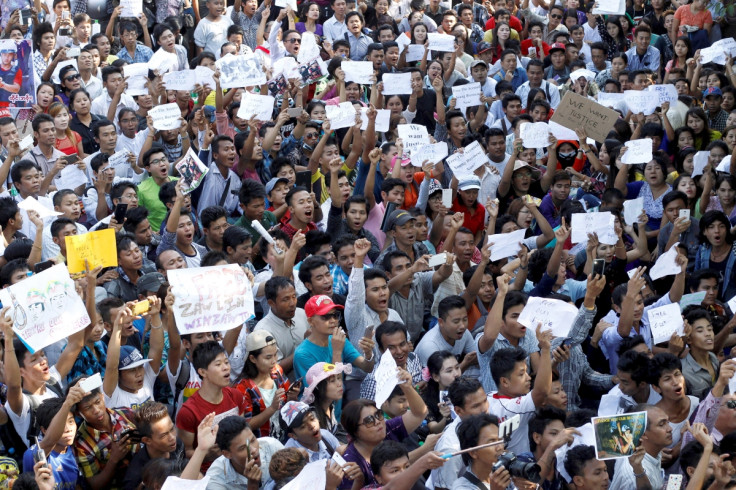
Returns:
<point x="432" y="391"/>
<point x="705" y="133"/>
<point x="350" y="418"/>
<point x="250" y="370"/>
<point x="320" y="393"/>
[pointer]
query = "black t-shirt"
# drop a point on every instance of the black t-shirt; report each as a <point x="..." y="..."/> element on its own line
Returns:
<point x="134" y="475"/>
<point x="426" y="107"/>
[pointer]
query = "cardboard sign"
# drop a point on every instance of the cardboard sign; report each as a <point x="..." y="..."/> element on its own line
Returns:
<point x="467" y="95"/>
<point x="396" y="84"/>
<point x="433" y="153"/>
<point x="575" y="111"/>
<point x="358" y="71"/>
<point x="45" y="307"/>
<point x="664" y="321"/>
<point x="441" y="42"/>
<point x="414" y="136"/>
<point x="638" y="151"/>
<point x="260" y="106"/>
<point x="619" y="435"/>
<point x="465" y="163"/>
<point x="180" y="80"/>
<point x="240" y="71"/>
<point x="211" y="298"/>
<point x="534" y="135"/>
<point x="166" y="116"/>
<point x="96" y="247"/>
<point x="506" y="244"/>
<point x="192" y="171"/>
<point x="641" y="101"/>
<point x="553" y="314"/>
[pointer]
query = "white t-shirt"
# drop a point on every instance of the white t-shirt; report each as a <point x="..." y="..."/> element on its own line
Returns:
<point x="22" y="421"/>
<point x="505" y="408"/>
<point x="211" y="35"/>
<point x="121" y="398"/>
<point x="194" y="383"/>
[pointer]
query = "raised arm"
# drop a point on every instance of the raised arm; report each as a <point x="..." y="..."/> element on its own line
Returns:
<point x="494" y="320"/>
<point x="543" y="382"/>
<point x="13" y="381"/>
<point x="370" y="181"/>
<point x="633" y="292"/>
<point x="414" y="417"/>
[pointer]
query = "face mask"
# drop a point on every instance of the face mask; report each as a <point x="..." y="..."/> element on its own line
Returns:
<point x="566" y="155"/>
<point x="315" y="121"/>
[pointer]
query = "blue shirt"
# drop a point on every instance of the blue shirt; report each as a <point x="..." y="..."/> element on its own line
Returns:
<point x="307" y="354"/>
<point x="650" y="60"/>
<point x="63" y="466"/>
<point x="142" y="54"/>
<point x="519" y="79"/>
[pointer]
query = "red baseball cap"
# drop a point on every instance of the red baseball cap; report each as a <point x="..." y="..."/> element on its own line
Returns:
<point x="320" y="305"/>
<point x="557" y="47"/>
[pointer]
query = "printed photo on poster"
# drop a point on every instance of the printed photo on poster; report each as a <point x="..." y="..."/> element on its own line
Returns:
<point x="617" y="436"/>
<point x="16" y="74"/>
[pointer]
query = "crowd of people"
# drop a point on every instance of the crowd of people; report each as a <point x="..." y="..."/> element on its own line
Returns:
<point x="358" y="252"/>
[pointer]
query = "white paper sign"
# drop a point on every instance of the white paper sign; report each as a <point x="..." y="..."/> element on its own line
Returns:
<point x="713" y="55"/>
<point x="211" y="298"/>
<point x="312" y="476"/>
<point x="136" y="75"/>
<point x="45" y="307"/>
<point x="396" y="84"/>
<point x="610" y="99"/>
<point x="664" y="321"/>
<point x="119" y="161"/>
<point x="285" y="3"/>
<point x="415" y="52"/>
<point x="587" y="437"/>
<point x="641" y="101"/>
<point x="180" y="80"/>
<point x="600" y="223"/>
<point x="467" y="95"/>
<point x="309" y="49"/>
<point x="358" y="71"/>
<point x="610" y="7"/>
<point x="534" y="135"/>
<point x="691" y="299"/>
<point x="665" y="265"/>
<point x="131" y="8"/>
<point x="166" y="116"/>
<point x="287" y="66"/>
<point x="638" y="151"/>
<point x="387" y="377"/>
<point x="203" y="76"/>
<point x="553" y="314"/>
<point x="26" y="143"/>
<point x="732" y="304"/>
<point x="341" y="116"/>
<point x="441" y="42"/>
<point x="561" y="132"/>
<point x="725" y="165"/>
<point x="633" y="209"/>
<point x="506" y="244"/>
<point x="666" y="93"/>
<point x="700" y="160"/>
<point x="728" y="45"/>
<point x="432" y="153"/>
<point x="466" y="162"/>
<point x="584" y="72"/>
<point x="240" y="71"/>
<point x="260" y="106"/>
<point x="176" y="483"/>
<point x="383" y="119"/>
<point x="414" y="136"/>
<point x="162" y="61"/>
<point x="30" y="204"/>
<point x="71" y="177"/>
<point x="403" y="41"/>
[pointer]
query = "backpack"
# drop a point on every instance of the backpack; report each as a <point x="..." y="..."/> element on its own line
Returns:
<point x="180" y="384"/>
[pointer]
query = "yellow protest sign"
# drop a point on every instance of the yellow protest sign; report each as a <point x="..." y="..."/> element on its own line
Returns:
<point x="97" y="247"/>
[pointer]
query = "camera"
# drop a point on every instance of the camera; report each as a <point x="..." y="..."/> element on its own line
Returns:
<point x="519" y="469"/>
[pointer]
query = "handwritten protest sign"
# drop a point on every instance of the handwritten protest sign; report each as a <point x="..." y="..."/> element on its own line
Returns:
<point x="180" y="80"/>
<point x="467" y="95"/>
<point x="358" y="71"/>
<point x="414" y="136"/>
<point x="162" y="61"/>
<point x="553" y="314"/>
<point x="728" y="45"/>
<point x="240" y="71"/>
<point x="619" y="435"/>
<point x="576" y="111"/>
<point x="45" y="307"/>
<point x="600" y="223"/>
<point x="610" y="99"/>
<point x="341" y="116"/>
<point x="465" y="162"/>
<point x="633" y="209"/>
<point x="137" y="76"/>
<point x="131" y="8"/>
<point x="119" y="161"/>
<point x="415" y="52"/>
<point x="387" y="377"/>
<point x="665" y="265"/>
<point x="641" y="101"/>
<point x="700" y="160"/>
<point x="441" y="42"/>
<point x="535" y="135"/>
<point x="713" y="55"/>
<point x="71" y="177"/>
<point x="431" y="153"/>
<point x="638" y="151"/>
<point x="664" y="321"/>
<point x="166" y="116"/>
<point x="396" y="84"/>
<point x="665" y="93"/>
<point x="313" y="475"/>
<point x="610" y="7"/>
<point x="211" y="298"/>
<point x="260" y="106"/>
<point x="192" y="171"/>
<point x="30" y="204"/>
<point x="383" y="119"/>
<point x="96" y="247"/>
<point x="203" y="76"/>
<point x="506" y="244"/>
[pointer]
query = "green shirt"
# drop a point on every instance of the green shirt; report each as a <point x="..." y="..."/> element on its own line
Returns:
<point x="268" y="221"/>
<point x="148" y="198"/>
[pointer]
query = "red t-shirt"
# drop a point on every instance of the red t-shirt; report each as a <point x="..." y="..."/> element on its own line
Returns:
<point x="527" y="43"/>
<point x="473" y="222"/>
<point x="514" y="23"/>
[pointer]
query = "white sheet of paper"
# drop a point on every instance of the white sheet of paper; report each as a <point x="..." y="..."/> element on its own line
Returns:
<point x="691" y="299"/>
<point x="472" y="157"/>
<point x="664" y="321"/>
<point x="91" y="383"/>
<point x="26" y="143"/>
<point x="600" y="223"/>
<point x="587" y="437"/>
<point x="383" y="119"/>
<point x="553" y="314"/>
<point x="137" y="76"/>
<point x="639" y="151"/>
<point x="240" y="71"/>
<point x="163" y="61"/>
<point x="260" y="106"/>
<point x="534" y="135"/>
<point x="387" y="377"/>
<point x="700" y="160"/>
<point x="62" y="64"/>
<point x="180" y="80"/>
<point x="467" y="95"/>
<point x="131" y="8"/>
<point x="312" y="476"/>
<point x="30" y="204"/>
<point x="71" y="177"/>
<point x="441" y="42"/>
<point x="119" y="161"/>
<point x="732" y="304"/>
<point x="358" y="71"/>
<point x="584" y="72"/>
<point x="640" y="101"/>
<point x="609" y="100"/>
<point x="341" y="116"/>
<point x="725" y="165"/>
<point x="176" y="483"/>
<point x="414" y="135"/>
<point x="288" y="66"/>
<point x="727" y="44"/>
<point x="562" y="133"/>
<point x="166" y="116"/>
<point x="665" y="265"/>
<point x="396" y="84"/>
<point x="506" y="244"/>
<point x="633" y="209"/>
<point x="203" y="76"/>
<point x="403" y="41"/>
<point x="433" y="153"/>
<point x="713" y="55"/>
<point x="610" y="7"/>
<point x="415" y="52"/>
<point x="609" y="405"/>
<point x="666" y="93"/>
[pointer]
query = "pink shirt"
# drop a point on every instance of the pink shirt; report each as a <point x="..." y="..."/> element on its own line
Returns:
<point x="373" y="223"/>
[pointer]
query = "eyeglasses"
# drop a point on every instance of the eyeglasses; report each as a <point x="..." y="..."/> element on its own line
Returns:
<point x="332" y="316"/>
<point x="72" y="77"/>
<point x="377" y="418"/>
<point x="311" y="135"/>
<point x="294" y="40"/>
<point x="730" y="404"/>
<point x="159" y="161"/>
<point x="555" y="16"/>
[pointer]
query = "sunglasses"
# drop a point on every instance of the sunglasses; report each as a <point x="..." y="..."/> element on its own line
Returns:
<point x="377" y="418"/>
<point x="332" y="316"/>
<point x="730" y="404"/>
<point x="72" y="77"/>
<point x="555" y="16"/>
<point x="294" y="41"/>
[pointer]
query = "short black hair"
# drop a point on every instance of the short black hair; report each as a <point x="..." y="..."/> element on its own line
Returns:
<point x="310" y="264"/>
<point x="461" y="388"/>
<point x="371" y="274"/>
<point x="316" y="239"/>
<point x="210" y="214"/>
<point x="662" y="363"/>
<point x="13" y="266"/>
<point x="541" y="419"/>
<point x="504" y="361"/>
<point x="229" y="428"/>
<point x="636" y="364"/>
<point x="212" y="258"/>
<point x="386" y="452"/>
<point x="58" y="225"/>
<point x="41" y="118"/>
<point x="47" y="410"/>
<point x="699" y="275"/>
<point x="234" y="236"/>
<point x="292" y="192"/>
<point x="107" y="305"/>
<point x="469" y="429"/>
<point x="167" y="193"/>
<point x="276" y="284"/>
<point x="576" y="459"/>
<point x="449" y="303"/>
<point x="205" y="353"/>
<point x="134" y="217"/>
<point x="628" y="343"/>
<point x="146" y="158"/>
<point x="118" y="188"/>
<point x="387" y="328"/>
<point x="8" y="210"/>
<point x="250" y="190"/>
<point x="16" y="171"/>
<point x="390" y="256"/>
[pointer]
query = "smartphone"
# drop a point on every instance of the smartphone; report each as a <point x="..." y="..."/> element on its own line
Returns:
<point x="674" y="482"/>
<point x="120" y="210"/>
<point x="26" y="16"/>
<point x="685" y="213"/>
<point x="368" y="332"/>
<point x="294" y="112"/>
<point x="390" y="208"/>
<point x="141" y="307"/>
<point x="73" y="52"/>
<point x="599" y="266"/>
<point x="297" y="384"/>
<point x="70" y="159"/>
<point x="39" y="454"/>
<point x="438" y="259"/>
<point x="42" y="266"/>
<point x="447" y="198"/>
<point x="304" y="179"/>
<point x="134" y="435"/>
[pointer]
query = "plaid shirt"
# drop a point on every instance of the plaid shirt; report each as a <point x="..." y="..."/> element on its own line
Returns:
<point x="89" y="362"/>
<point x="92" y="447"/>
<point x="39" y="64"/>
<point x="480" y="14"/>
<point x="719" y="122"/>
<point x="476" y="33"/>
<point x="142" y="54"/>
<point x="254" y="403"/>
<point x="249" y="25"/>
<point x="576" y="369"/>
<point x="339" y="280"/>
<point x="368" y="386"/>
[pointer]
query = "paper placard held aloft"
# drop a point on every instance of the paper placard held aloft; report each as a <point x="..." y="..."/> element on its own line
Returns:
<point x="162" y="61"/>
<point x="383" y="119"/>
<point x="358" y="71"/>
<point x="441" y="42"/>
<point x="601" y="224"/>
<point x="260" y="106"/>
<point x="638" y="151"/>
<point x="534" y="135"/>
<point x="665" y="93"/>
<point x="240" y="71"/>
<point x="632" y="210"/>
<point x="465" y="162"/>
<point x="414" y="136"/>
<point x="341" y="116"/>
<point x="431" y="153"/>
<point x="700" y="160"/>
<point x="166" y="116"/>
<point x="575" y="111"/>
<point x="506" y="244"/>
<point x="664" y="321"/>
<point x="396" y="84"/>
<point x="666" y="265"/>
<point x="180" y="80"/>
<point x="467" y="95"/>
<point x="641" y="101"/>
<point x="553" y="314"/>
<point x="192" y="171"/>
<point x="619" y="435"/>
<point x="387" y="377"/>
<point x="96" y="247"/>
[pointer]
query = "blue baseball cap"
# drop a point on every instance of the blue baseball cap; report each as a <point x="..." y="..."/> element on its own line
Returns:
<point x="130" y="358"/>
<point x="712" y="91"/>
